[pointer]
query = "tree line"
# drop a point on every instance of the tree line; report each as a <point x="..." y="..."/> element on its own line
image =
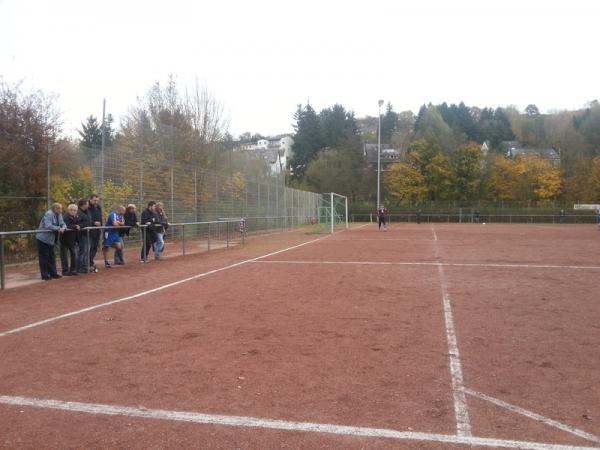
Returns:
<point x="168" y="127"/>
<point x="442" y="157"/>
<point x="440" y="147"/>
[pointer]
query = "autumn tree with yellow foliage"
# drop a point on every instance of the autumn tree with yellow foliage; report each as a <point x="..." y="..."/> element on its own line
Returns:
<point x="524" y="178"/>
<point x="71" y="189"/>
<point x="405" y="182"/>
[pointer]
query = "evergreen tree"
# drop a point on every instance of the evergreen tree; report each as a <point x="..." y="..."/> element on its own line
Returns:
<point x="466" y="122"/>
<point x="90" y="134"/>
<point x="109" y="132"/>
<point x="433" y="129"/>
<point x="389" y="122"/>
<point x="588" y="124"/>
<point x="420" y="115"/>
<point x="307" y="139"/>
<point x="338" y="126"/>
<point x="91" y="137"/>
<point x="460" y="119"/>
<point x="495" y="127"/>
<point x="532" y="110"/>
<point x="504" y="131"/>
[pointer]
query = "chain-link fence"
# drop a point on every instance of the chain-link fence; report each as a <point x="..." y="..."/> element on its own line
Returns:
<point x="193" y="194"/>
<point x="459" y="217"/>
<point x="225" y="184"/>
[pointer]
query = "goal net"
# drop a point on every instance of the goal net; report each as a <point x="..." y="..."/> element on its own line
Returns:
<point x="333" y="212"/>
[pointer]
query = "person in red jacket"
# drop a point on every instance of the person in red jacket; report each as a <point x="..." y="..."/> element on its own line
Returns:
<point x="382" y="214"/>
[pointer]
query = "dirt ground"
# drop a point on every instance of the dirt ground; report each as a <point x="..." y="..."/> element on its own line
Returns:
<point x="348" y="329"/>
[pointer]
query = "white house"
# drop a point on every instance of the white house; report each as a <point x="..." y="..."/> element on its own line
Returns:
<point x="277" y="151"/>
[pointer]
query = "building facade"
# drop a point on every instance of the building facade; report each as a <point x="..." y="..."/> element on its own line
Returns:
<point x="276" y="151"/>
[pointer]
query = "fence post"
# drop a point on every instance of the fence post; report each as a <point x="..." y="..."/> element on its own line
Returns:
<point x="183" y="238"/>
<point x="144" y="245"/>
<point x="172" y="198"/>
<point x="2" y="274"/>
<point x="332" y="211"/>
<point x="208" y="237"/>
<point x="227" y="232"/>
<point x="196" y="194"/>
<point x="243" y="224"/>
<point x="87" y="254"/>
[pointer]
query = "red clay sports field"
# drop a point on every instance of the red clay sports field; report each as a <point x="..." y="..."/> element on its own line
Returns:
<point x="427" y="336"/>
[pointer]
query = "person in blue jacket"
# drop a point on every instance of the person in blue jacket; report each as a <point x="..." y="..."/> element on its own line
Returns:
<point x="112" y="237"/>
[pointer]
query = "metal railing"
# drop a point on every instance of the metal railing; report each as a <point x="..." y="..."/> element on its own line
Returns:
<point x="487" y="218"/>
<point x="213" y="231"/>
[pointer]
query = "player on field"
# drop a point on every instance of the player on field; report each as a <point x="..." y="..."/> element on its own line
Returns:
<point x="382" y="214"/>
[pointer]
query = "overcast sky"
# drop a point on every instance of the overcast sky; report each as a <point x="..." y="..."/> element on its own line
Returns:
<point x="262" y="58"/>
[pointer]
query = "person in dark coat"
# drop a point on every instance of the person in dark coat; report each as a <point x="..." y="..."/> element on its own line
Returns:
<point x="130" y="217"/>
<point x="95" y="213"/>
<point x="150" y="219"/>
<point x="84" y="245"/>
<point x="68" y="242"/>
<point x="382" y="214"/>
<point x="51" y="225"/>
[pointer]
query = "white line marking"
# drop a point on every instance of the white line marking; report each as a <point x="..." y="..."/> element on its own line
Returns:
<point x="374" y="239"/>
<point x="534" y="416"/>
<point x="461" y="410"/>
<point x="151" y="291"/>
<point x="352" y="228"/>
<point x="273" y="424"/>
<point x="359" y="263"/>
<point x="431" y="263"/>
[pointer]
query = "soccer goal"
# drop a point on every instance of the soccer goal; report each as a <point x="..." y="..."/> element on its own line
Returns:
<point x="333" y="211"/>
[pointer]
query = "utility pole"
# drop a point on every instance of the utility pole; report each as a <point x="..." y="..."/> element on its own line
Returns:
<point x="48" y="193"/>
<point x="102" y="149"/>
<point x="379" y="156"/>
<point x="141" y="144"/>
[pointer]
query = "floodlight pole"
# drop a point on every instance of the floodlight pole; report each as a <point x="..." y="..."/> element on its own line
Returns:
<point x="380" y="103"/>
<point x="48" y="192"/>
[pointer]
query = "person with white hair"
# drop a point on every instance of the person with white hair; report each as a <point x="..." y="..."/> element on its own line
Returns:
<point x="50" y="226"/>
<point x="161" y="228"/>
<point x="68" y="242"/>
